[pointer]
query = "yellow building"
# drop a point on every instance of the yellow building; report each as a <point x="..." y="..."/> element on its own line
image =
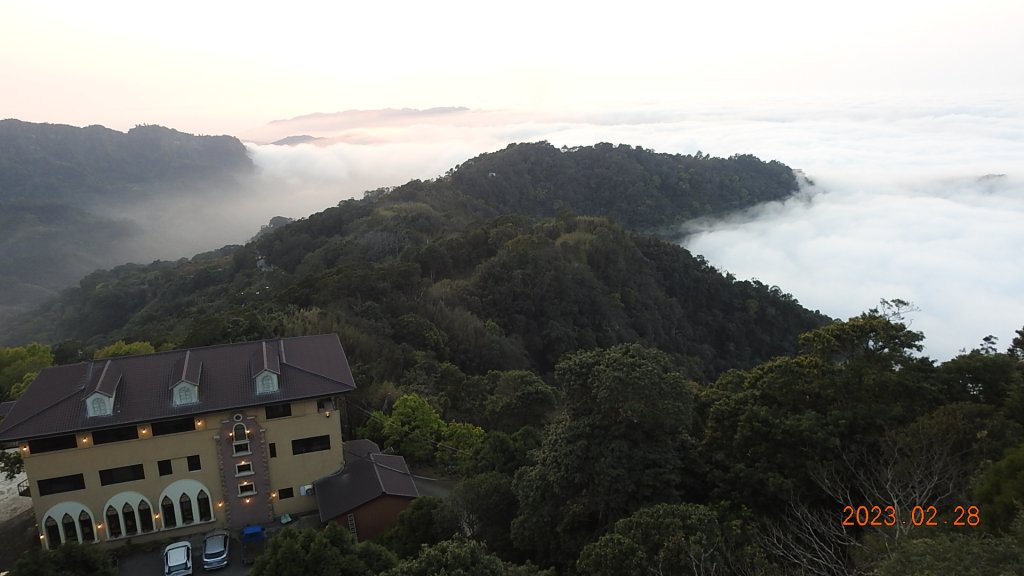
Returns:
<point x="169" y="444"/>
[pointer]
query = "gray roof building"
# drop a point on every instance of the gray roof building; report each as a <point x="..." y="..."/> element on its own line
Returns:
<point x="137" y="389"/>
<point x="367" y="475"/>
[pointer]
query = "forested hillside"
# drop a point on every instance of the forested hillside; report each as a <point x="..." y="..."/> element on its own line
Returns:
<point x="459" y="270"/>
<point x="607" y="402"/>
<point x="66" y="192"/>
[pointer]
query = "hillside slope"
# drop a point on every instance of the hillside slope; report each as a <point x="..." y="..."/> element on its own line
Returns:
<point x="469" y="271"/>
<point x="75" y="199"/>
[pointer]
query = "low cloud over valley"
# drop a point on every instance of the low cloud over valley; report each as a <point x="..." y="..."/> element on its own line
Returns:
<point x="920" y="201"/>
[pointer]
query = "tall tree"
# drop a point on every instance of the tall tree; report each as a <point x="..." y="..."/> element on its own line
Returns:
<point x="19" y="365"/>
<point x="623" y="442"/>
<point x="853" y="381"/>
<point x="671" y="540"/>
<point x="461" y="558"/>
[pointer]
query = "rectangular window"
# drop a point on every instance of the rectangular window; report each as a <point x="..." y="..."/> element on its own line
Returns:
<point x="325" y="405"/>
<point x="194" y="463"/>
<point x="241" y="448"/>
<point x="174" y="426"/>
<point x="115" y="435"/>
<point x="285" y="493"/>
<point x="243" y="469"/>
<point x="61" y="484"/>
<point x="311" y="444"/>
<point x="273" y="450"/>
<point x="246" y="489"/>
<point x="51" y="444"/>
<point x="122" y="474"/>
<point x="165" y="468"/>
<point x="278" y="410"/>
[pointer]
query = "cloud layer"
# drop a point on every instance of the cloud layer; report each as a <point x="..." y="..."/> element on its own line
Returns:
<point x="906" y="201"/>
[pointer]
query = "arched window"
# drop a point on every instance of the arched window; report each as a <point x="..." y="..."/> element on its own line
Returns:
<point x="203" y="502"/>
<point x="240" y="438"/>
<point x="113" y="522"/>
<point x="167" y="509"/>
<point x="99" y="405"/>
<point x="186" y="509"/>
<point x="145" y="517"/>
<point x="70" y="530"/>
<point x="131" y="527"/>
<point x="185" y="395"/>
<point x="267" y="384"/>
<point x="85" y="524"/>
<point x="52" y="533"/>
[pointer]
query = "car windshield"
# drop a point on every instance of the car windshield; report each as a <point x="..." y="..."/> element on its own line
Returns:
<point x="214" y="546"/>
<point x="177" y="559"/>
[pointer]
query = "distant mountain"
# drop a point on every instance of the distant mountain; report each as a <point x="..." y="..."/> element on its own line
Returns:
<point x="295" y="140"/>
<point x="356" y="126"/>
<point x="506" y="262"/>
<point x="76" y="199"/>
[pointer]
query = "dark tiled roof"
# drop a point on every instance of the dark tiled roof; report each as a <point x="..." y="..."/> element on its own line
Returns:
<point x="5" y="407"/>
<point x="187" y="369"/>
<point x="363" y="479"/>
<point x="110" y="378"/>
<point x="362" y="448"/>
<point x="309" y="367"/>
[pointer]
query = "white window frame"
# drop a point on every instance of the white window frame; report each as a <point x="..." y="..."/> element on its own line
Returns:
<point x="246" y="489"/>
<point x="240" y="447"/>
<point x="99" y="406"/>
<point x="243" y="469"/>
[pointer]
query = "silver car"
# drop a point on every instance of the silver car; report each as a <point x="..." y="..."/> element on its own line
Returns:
<point x="215" y="549"/>
<point x="178" y="559"/>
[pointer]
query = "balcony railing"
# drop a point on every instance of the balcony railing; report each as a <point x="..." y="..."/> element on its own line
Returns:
<point x="23" y="488"/>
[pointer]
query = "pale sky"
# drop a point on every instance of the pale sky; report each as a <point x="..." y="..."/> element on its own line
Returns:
<point x="897" y="108"/>
<point x="227" y="67"/>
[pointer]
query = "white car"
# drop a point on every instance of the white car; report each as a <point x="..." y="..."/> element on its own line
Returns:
<point x="178" y="559"/>
<point x="215" y="549"/>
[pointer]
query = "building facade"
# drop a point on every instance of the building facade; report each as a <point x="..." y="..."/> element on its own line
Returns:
<point x="168" y="444"/>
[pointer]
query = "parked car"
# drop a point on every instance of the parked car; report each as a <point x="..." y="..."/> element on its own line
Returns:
<point x="215" y="549"/>
<point x="178" y="559"/>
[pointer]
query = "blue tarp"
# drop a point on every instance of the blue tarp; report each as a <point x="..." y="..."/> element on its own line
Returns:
<point x="253" y="533"/>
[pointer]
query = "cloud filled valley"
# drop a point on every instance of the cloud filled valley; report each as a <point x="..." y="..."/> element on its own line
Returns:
<point x="922" y="202"/>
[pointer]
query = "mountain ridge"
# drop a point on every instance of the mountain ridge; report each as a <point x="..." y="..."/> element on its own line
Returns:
<point x="75" y="199"/>
<point x="527" y="264"/>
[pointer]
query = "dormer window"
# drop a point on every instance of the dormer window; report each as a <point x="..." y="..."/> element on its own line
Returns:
<point x="185" y="393"/>
<point x="100" y="401"/>
<point x="98" y="406"/>
<point x="266" y="383"/>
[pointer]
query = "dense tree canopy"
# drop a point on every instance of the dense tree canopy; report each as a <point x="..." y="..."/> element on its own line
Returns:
<point x="671" y="540"/>
<point x="461" y="558"/>
<point x="331" y="551"/>
<point x="602" y="400"/>
<point x="71" y="559"/>
<point x="623" y="442"/>
<point x="19" y="366"/>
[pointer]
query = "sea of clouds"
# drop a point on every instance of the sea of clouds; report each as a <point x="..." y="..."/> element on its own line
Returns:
<point x="922" y="201"/>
